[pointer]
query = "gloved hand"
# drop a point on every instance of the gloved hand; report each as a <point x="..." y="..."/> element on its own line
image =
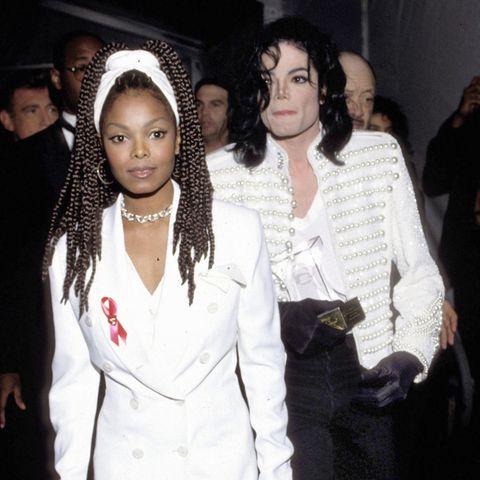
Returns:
<point x="302" y="331"/>
<point x="389" y="381"/>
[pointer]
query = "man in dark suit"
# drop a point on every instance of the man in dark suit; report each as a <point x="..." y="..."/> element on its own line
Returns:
<point x="36" y="171"/>
<point x="453" y="166"/>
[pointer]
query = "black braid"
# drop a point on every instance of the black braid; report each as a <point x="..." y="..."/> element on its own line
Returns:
<point x="78" y="213"/>
<point x="193" y="225"/>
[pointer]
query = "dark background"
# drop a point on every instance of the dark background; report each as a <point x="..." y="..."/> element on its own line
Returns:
<point x="207" y="33"/>
<point x="425" y="53"/>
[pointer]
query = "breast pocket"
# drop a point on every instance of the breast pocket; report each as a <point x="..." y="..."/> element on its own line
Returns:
<point x="223" y="277"/>
<point x="217" y="297"/>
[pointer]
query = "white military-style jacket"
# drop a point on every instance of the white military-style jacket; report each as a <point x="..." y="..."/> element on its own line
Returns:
<point x="175" y="412"/>
<point x="373" y="221"/>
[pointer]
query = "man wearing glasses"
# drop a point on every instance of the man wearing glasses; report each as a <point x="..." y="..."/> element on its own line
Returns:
<point x="34" y="177"/>
<point x="71" y="57"/>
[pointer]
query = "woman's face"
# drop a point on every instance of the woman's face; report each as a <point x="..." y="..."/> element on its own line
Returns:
<point x="139" y="137"/>
<point x="293" y="110"/>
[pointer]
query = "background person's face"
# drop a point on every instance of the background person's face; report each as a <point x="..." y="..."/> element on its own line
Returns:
<point x="79" y="52"/>
<point x="380" y="123"/>
<point x="32" y="111"/>
<point x="359" y="90"/>
<point x="212" y="105"/>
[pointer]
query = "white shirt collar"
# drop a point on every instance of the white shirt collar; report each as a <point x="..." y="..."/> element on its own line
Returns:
<point x="72" y="120"/>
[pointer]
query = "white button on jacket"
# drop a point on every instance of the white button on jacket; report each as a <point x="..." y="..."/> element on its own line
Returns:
<point x="214" y="422"/>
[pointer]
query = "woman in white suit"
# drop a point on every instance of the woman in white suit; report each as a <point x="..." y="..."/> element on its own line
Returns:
<point x="158" y="287"/>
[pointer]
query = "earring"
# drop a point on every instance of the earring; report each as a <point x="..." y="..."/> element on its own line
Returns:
<point x="323" y="96"/>
<point x="178" y="142"/>
<point x="99" y="175"/>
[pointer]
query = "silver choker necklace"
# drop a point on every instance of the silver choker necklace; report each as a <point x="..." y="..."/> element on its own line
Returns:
<point x="152" y="217"/>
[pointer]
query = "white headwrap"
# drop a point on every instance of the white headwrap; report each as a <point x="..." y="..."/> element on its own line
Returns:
<point x="123" y="61"/>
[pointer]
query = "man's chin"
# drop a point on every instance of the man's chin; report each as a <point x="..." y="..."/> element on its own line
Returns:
<point x="208" y="132"/>
<point x="358" y="125"/>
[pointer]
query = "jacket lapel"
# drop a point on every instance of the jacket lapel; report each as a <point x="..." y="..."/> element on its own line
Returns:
<point x="112" y="281"/>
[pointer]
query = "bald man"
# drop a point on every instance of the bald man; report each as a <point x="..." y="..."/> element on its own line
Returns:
<point x="359" y="89"/>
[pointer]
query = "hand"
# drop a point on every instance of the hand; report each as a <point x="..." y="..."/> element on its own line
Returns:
<point x="301" y="329"/>
<point x="449" y="325"/>
<point x="469" y="102"/>
<point x="10" y="384"/>
<point x="389" y="381"/>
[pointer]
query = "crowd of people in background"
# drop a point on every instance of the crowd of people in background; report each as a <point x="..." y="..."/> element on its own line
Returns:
<point x="350" y="312"/>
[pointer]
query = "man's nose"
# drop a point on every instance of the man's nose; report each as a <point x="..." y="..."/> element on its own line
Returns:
<point x="353" y="107"/>
<point x="44" y="118"/>
<point x="202" y="112"/>
<point x="280" y="90"/>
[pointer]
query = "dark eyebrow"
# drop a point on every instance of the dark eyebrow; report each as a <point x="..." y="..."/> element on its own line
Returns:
<point x="30" y="105"/>
<point x="82" y="57"/>
<point x="115" y="124"/>
<point x="299" y="69"/>
<point x="151" y="122"/>
<point x="290" y="72"/>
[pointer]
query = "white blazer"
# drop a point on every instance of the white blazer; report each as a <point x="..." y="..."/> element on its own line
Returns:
<point x="177" y="413"/>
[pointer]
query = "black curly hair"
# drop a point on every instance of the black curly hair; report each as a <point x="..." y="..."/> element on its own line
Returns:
<point x="251" y="95"/>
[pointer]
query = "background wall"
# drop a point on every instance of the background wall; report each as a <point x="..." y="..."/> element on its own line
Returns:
<point x="29" y="28"/>
<point x="339" y="18"/>
<point x="425" y="53"/>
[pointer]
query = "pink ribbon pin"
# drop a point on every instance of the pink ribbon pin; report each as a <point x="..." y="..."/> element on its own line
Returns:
<point x="109" y="308"/>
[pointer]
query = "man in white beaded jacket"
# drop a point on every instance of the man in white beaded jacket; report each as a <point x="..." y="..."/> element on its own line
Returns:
<point x="338" y="208"/>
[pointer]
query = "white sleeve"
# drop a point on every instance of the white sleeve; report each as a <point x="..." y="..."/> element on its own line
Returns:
<point x="75" y="383"/>
<point x="418" y="296"/>
<point x="262" y="364"/>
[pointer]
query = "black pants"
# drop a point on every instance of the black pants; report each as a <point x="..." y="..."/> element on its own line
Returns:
<point x="332" y="437"/>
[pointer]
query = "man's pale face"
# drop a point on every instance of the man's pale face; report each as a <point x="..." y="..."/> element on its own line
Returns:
<point x="212" y="106"/>
<point x="359" y="90"/>
<point x="293" y="110"/>
<point x="32" y="111"/>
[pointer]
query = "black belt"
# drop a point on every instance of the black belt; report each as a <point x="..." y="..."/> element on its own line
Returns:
<point x="343" y="317"/>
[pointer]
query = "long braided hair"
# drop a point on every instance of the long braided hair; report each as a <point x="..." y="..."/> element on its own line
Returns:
<point x="78" y="212"/>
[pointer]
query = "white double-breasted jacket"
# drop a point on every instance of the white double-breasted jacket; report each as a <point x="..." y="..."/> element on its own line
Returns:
<point x="175" y="412"/>
<point x="373" y="221"/>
